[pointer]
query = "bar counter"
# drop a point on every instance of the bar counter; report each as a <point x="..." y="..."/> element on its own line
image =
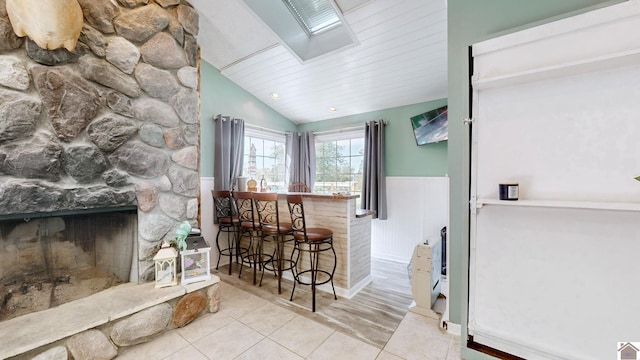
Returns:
<point x="351" y="237"/>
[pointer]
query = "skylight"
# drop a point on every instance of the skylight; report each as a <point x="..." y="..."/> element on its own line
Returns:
<point x="315" y="16"/>
<point x="308" y="28"/>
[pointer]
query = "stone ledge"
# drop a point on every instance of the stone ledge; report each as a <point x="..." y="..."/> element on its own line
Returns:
<point x="189" y="288"/>
<point x="34" y="330"/>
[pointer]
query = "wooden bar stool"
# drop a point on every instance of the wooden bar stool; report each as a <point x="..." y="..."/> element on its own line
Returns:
<point x="272" y="228"/>
<point x="312" y="241"/>
<point x="248" y="227"/>
<point x="227" y="223"/>
<point x="299" y="187"/>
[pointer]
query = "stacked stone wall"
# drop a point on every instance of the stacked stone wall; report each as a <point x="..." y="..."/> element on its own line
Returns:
<point x="113" y="123"/>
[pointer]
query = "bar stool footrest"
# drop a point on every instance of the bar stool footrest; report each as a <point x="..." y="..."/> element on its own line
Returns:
<point x="300" y="274"/>
<point x="271" y="267"/>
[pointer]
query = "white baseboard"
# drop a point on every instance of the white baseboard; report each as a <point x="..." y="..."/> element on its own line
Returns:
<point x="342" y="292"/>
<point x="359" y="286"/>
<point x="453" y="328"/>
<point x="414" y="308"/>
<point x="386" y="257"/>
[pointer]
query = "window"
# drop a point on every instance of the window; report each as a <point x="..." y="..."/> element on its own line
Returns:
<point x="339" y="163"/>
<point x="314" y="16"/>
<point x="264" y="157"/>
<point x="307" y="28"/>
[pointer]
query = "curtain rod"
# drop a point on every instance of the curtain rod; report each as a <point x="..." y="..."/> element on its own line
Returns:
<point x="224" y="118"/>
<point x="337" y="131"/>
<point x="352" y="128"/>
<point x="260" y="128"/>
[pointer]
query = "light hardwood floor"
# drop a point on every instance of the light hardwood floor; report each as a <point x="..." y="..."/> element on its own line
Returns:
<point x="372" y="315"/>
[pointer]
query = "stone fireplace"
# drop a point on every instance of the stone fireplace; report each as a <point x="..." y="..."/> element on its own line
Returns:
<point x="51" y="260"/>
<point x="112" y="125"/>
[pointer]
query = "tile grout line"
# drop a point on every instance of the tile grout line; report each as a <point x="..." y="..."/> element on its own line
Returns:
<point x="323" y="341"/>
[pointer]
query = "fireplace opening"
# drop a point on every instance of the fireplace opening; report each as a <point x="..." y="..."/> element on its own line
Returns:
<point x="51" y="259"/>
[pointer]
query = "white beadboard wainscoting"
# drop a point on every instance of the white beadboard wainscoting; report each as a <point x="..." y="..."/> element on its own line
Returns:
<point x="209" y="230"/>
<point x="417" y="208"/>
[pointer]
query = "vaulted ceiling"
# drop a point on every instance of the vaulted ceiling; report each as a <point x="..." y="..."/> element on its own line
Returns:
<point x="399" y="58"/>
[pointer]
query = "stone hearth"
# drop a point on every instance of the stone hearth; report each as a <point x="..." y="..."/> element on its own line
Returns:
<point x="128" y="314"/>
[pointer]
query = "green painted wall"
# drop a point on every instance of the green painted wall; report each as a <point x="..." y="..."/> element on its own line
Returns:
<point x="471" y="21"/>
<point x="218" y="95"/>
<point x="403" y="156"/>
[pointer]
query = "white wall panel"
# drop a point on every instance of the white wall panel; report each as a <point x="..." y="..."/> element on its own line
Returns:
<point x="418" y="208"/>
<point x="207" y="227"/>
<point x="561" y="120"/>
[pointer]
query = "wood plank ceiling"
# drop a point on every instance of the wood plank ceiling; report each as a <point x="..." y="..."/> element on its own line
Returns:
<point x="401" y="58"/>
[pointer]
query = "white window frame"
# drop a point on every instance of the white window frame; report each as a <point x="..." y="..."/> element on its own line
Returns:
<point x="339" y="135"/>
<point x="264" y="134"/>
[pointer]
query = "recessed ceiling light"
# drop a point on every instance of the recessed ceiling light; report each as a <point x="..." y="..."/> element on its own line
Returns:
<point x="333" y="109"/>
<point x="275" y="96"/>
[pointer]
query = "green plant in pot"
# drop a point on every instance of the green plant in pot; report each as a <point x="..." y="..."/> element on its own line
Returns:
<point x="181" y="234"/>
<point x="179" y="242"/>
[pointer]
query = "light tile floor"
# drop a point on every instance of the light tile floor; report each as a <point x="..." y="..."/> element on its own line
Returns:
<point x="248" y="327"/>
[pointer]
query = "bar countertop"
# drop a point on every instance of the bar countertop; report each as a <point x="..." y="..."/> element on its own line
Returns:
<point x="335" y="196"/>
<point x="360" y="213"/>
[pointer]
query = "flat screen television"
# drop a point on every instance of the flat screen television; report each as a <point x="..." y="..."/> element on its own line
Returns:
<point x="431" y="126"/>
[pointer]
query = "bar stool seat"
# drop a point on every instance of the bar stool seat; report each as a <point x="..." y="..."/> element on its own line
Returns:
<point x="229" y="226"/>
<point x="313" y="241"/>
<point x="228" y="223"/>
<point x="273" y="229"/>
<point x="314" y="234"/>
<point x="279" y="262"/>
<point x="249" y="227"/>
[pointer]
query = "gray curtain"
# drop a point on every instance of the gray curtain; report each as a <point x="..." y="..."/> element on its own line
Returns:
<point x="229" y="151"/>
<point x="374" y="183"/>
<point x="301" y="158"/>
